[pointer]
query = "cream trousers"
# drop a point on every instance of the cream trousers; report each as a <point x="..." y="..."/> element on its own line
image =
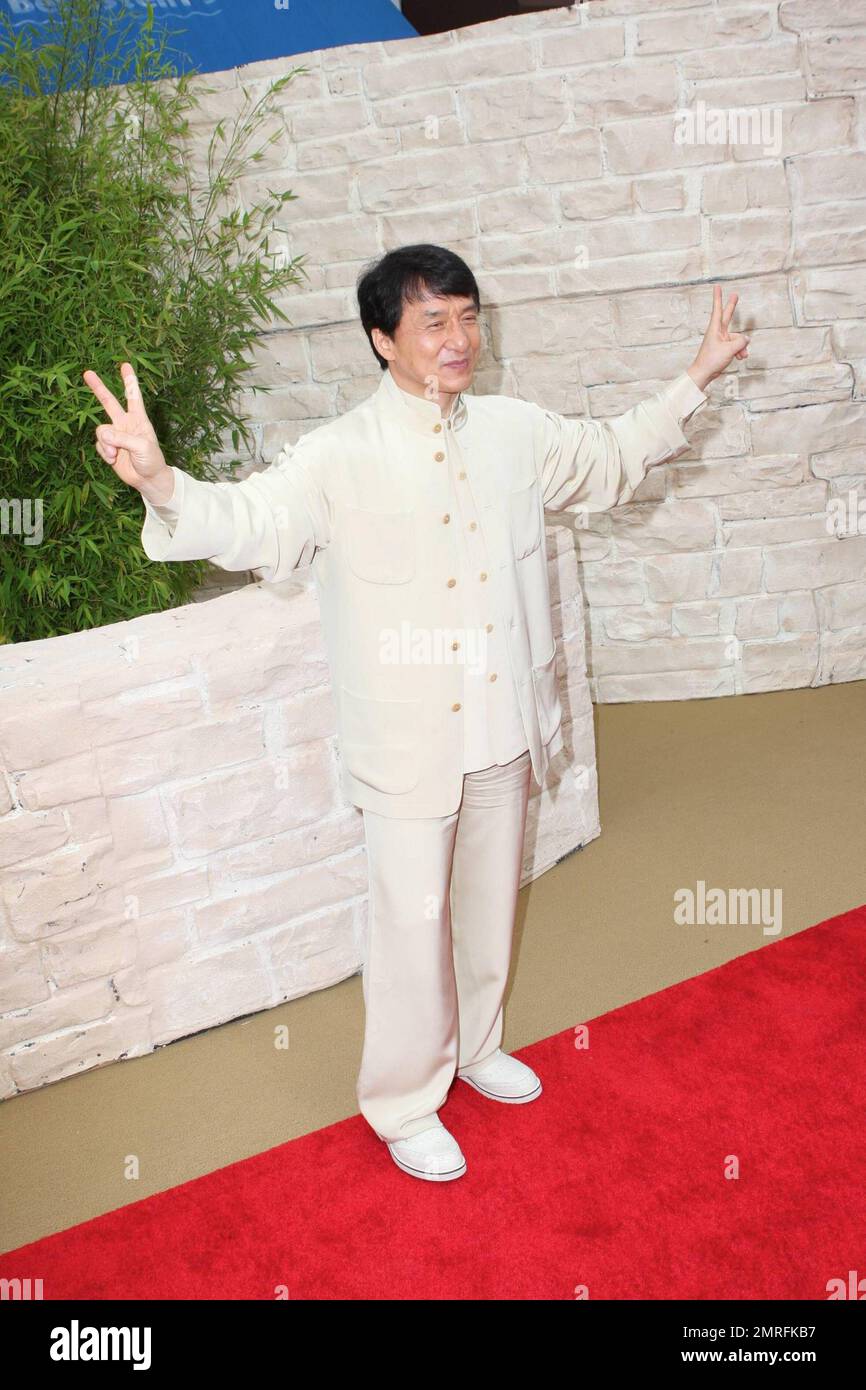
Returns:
<point x="442" y="900"/>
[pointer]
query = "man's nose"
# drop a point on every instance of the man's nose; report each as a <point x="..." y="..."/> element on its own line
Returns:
<point x="457" y="336"/>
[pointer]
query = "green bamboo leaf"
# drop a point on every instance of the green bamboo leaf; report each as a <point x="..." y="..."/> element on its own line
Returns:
<point x="136" y="255"/>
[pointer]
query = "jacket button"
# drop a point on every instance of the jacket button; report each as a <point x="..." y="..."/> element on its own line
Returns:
<point x="451" y="583"/>
<point x="437" y="429"/>
<point x="454" y="646"/>
<point x="439" y="456"/>
<point x="473" y="526"/>
<point x="446" y="518"/>
<point x="457" y="706"/>
<point x="489" y="627"/>
<point x="493" y="676"/>
<point x="483" y="575"/>
<point x="461" y="475"/>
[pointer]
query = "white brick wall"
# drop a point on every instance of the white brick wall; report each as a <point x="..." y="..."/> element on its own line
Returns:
<point x="549" y="150"/>
<point x="161" y="873"/>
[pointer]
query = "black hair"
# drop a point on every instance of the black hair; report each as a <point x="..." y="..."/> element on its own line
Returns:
<point x="405" y="274"/>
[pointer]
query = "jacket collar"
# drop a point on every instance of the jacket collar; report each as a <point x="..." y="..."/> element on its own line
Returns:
<point x="417" y="412"/>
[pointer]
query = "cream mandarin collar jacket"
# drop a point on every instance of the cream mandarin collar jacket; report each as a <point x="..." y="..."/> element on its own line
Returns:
<point x="365" y="498"/>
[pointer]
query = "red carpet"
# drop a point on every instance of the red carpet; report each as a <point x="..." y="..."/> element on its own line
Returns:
<point x="613" y="1179"/>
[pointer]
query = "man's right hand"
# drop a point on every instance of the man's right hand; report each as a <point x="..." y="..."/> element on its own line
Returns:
<point x="129" y="444"/>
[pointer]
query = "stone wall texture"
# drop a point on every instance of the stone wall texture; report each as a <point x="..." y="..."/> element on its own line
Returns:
<point x="175" y="850"/>
<point x="600" y="167"/>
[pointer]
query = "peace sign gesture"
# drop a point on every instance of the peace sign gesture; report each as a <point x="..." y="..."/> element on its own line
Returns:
<point x="719" y="346"/>
<point x="129" y="443"/>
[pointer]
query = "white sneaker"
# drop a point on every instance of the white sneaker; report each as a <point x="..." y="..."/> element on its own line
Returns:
<point x="506" y="1078"/>
<point x="434" y="1155"/>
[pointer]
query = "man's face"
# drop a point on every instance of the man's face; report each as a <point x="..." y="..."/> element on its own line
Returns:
<point x="435" y="345"/>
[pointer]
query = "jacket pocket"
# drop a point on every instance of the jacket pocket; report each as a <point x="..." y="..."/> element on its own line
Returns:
<point x="380" y="546"/>
<point x="524" y="505"/>
<point x="547" y="704"/>
<point x="380" y="740"/>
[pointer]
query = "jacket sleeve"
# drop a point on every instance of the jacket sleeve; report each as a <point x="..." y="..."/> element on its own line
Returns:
<point x="270" y="523"/>
<point x="598" y="464"/>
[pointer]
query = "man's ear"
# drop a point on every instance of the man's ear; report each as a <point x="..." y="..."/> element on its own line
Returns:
<point x="382" y="343"/>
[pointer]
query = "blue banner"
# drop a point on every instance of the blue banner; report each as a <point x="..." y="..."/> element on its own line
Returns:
<point x="213" y="35"/>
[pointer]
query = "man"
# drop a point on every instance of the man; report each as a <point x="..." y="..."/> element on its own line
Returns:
<point x="422" y="512"/>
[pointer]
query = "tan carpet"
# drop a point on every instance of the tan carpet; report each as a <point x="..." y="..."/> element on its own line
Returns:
<point x="757" y="791"/>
